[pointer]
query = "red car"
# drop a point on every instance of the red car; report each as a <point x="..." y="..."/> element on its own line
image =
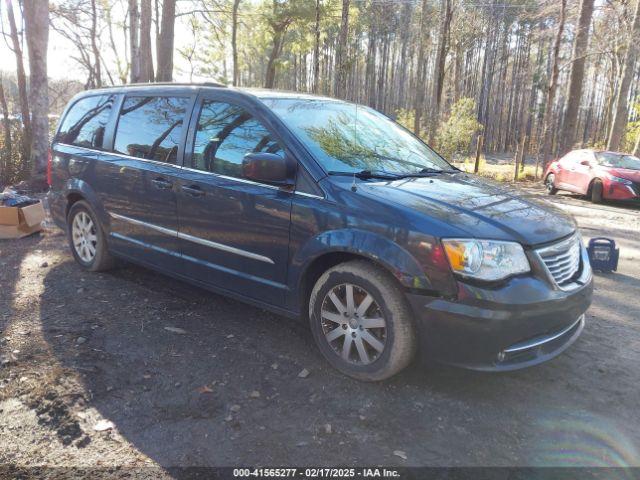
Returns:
<point x="598" y="175"/>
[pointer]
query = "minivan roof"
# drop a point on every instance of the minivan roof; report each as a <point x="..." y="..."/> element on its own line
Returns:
<point x="260" y="93"/>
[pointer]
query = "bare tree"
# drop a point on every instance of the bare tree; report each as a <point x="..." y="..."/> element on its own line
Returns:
<point x="36" y="17"/>
<point x="22" y="82"/>
<point x="5" y="158"/>
<point x="341" y="53"/>
<point x="553" y="85"/>
<point x="146" y="57"/>
<point x="134" y="42"/>
<point x="420" y="88"/>
<point x="439" y="64"/>
<point x="621" y="110"/>
<point x="574" y="91"/>
<point x="316" y="49"/>
<point x="234" y="42"/>
<point x="94" y="43"/>
<point x="165" y="41"/>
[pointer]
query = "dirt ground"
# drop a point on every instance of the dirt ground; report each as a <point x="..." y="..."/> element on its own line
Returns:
<point x="133" y="369"/>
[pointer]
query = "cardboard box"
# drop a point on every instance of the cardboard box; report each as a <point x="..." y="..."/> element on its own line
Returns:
<point x="18" y="222"/>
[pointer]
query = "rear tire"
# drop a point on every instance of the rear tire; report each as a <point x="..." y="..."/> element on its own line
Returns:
<point x="361" y="321"/>
<point x="596" y="191"/>
<point x="87" y="239"/>
<point x="549" y="184"/>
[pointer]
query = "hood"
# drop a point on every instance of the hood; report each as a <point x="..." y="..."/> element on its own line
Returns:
<point x="480" y="208"/>
<point x="633" y="175"/>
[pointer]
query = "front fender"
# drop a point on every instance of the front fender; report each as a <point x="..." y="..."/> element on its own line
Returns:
<point x="398" y="261"/>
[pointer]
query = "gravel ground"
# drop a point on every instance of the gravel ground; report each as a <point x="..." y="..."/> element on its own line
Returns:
<point x="133" y="369"/>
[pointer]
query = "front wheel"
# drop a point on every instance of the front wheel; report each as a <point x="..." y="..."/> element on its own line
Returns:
<point x="596" y="191"/>
<point x="361" y="321"/>
<point x="549" y="184"/>
<point x="87" y="239"/>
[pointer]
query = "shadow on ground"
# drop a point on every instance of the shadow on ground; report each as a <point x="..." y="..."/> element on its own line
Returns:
<point x="224" y="389"/>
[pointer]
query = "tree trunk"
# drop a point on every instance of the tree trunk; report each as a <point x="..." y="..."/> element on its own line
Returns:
<point x="36" y="17"/>
<point x="6" y="127"/>
<point x="553" y="83"/>
<point x="421" y="68"/>
<point x="438" y="74"/>
<point x="278" y="40"/>
<point x="621" y="111"/>
<point x="134" y="45"/>
<point x="165" y="41"/>
<point x="22" y="84"/>
<point x="316" y="50"/>
<point x="234" y="42"/>
<point x="574" y="91"/>
<point x="146" y="58"/>
<point x="341" y="53"/>
<point x="94" y="45"/>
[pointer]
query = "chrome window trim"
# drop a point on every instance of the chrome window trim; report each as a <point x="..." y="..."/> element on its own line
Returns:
<point x="155" y="162"/>
<point x="191" y="238"/>
<point x="518" y="347"/>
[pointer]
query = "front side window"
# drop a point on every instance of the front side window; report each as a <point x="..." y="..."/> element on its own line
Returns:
<point x="85" y="124"/>
<point x="225" y="134"/>
<point x="618" y="160"/>
<point x="345" y="137"/>
<point x="151" y="127"/>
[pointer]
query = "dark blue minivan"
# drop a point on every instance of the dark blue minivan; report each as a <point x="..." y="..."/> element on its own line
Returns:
<point x="325" y="210"/>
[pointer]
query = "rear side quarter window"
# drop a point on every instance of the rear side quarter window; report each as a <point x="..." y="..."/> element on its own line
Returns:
<point x="151" y="128"/>
<point x="85" y="123"/>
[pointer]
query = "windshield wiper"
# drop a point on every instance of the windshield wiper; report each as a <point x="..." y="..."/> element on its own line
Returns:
<point x="364" y="174"/>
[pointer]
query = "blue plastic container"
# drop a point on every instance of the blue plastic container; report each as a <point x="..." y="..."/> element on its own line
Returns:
<point x="603" y="254"/>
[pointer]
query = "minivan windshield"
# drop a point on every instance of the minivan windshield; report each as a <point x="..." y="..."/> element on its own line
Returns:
<point x="349" y="138"/>
<point x="617" y="160"/>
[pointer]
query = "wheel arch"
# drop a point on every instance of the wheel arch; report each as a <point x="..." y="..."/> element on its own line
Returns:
<point x="332" y="248"/>
<point x="76" y="190"/>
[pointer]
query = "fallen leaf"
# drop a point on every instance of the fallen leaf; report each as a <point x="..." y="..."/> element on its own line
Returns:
<point x="205" y="389"/>
<point x="103" y="425"/>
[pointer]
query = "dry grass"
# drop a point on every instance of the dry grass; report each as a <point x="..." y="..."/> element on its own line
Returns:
<point x="501" y="172"/>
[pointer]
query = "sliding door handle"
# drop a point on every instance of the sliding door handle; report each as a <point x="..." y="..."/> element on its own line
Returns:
<point x="193" y="190"/>
<point x="162" y="183"/>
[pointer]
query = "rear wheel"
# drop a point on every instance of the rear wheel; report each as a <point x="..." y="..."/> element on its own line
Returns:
<point x="87" y="239"/>
<point x="596" y="191"/>
<point x="549" y="184"/>
<point x="361" y="321"/>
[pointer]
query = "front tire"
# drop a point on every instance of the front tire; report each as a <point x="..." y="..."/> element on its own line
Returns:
<point x="596" y="191"/>
<point x="361" y="321"/>
<point x="87" y="239"/>
<point x="549" y="184"/>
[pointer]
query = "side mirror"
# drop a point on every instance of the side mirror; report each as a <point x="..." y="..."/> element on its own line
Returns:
<point x="268" y="168"/>
<point x="586" y="163"/>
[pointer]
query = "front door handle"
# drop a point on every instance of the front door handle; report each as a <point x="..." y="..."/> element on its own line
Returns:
<point x="193" y="190"/>
<point x="162" y="183"/>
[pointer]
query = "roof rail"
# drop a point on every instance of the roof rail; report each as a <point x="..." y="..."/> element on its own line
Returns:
<point x="177" y="84"/>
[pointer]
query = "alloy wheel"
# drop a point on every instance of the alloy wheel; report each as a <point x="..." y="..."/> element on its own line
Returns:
<point x="549" y="182"/>
<point x="353" y="324"/>
<point x="85" y="239"/>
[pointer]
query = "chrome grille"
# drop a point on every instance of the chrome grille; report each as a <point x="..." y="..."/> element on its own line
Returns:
<point x="562" y="259"/>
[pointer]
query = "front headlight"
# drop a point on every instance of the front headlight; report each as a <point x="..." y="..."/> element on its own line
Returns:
<point x="485" y="259"/>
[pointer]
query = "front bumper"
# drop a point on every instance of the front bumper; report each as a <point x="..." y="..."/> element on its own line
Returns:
<point x="522" y="323"/>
